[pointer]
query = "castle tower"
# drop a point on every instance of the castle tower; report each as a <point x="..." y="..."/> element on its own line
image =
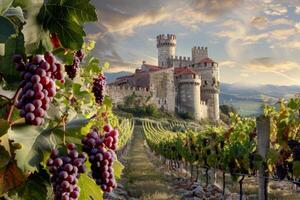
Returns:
<point x="188" y="97"/>
<point x="166" y="46"/>
<point x="199" y="53"/>
<point x="210" y="87"/>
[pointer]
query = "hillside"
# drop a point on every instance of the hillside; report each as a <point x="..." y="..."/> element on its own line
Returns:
<point x="249" y="99"/>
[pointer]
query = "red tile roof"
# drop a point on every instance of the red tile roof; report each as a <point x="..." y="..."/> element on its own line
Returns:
<point x="207" y="60"/>
<point x="184" y="70"/>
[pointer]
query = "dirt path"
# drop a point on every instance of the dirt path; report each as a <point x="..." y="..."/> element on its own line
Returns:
<point x="143" y="179"/>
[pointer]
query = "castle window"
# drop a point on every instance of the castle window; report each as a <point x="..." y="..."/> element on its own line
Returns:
<point x="165" y="102"/>
<point x="205" y="82"/>
<point x="205" y="64"/>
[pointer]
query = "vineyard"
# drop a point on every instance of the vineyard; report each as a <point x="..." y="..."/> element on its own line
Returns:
<point x="235" y="150"/>
<point x="59" y="138"/>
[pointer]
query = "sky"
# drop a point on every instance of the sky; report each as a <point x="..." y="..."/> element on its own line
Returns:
<point x="254" y="41"/>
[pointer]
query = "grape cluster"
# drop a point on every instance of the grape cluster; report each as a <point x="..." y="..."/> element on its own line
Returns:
<point x="38" y="86"/>
<point x="98" y="88"/>
<point x="65" y="172"/>
<point x="111" y="137"/>
<point x="101" y="158"/>
<point x="72" y="69"/>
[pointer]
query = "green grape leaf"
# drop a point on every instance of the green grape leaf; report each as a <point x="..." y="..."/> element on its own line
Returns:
<point x="7" y="67"/>
<point x="4" y="126"/>
<point x="4" y="158"/>
<point x="36" y="186"/>
<point x="7" y="29"/>
<point x="66" y="19"/>
<point x="34" y="141"/>
<point x="89" y="189"/>
<point x="118" y="168"/>
<point x="37" y="142"/>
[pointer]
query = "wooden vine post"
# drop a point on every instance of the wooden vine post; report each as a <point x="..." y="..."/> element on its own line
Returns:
<point x="263" y="140"/>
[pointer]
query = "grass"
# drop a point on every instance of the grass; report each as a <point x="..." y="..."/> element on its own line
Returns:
<point x="143" y="180"/>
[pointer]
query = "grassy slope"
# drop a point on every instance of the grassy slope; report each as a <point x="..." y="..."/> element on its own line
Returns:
<point x="143" y="179"/>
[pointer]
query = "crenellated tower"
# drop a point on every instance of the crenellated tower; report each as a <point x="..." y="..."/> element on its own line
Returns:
<point x="210" y="87"/>
<point x="166" y="46"/>
<point x="199" y="53"/>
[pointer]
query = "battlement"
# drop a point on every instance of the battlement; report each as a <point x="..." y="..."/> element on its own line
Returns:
<point x="126" y="88"/>
<point x="198" y="48"/>
<point x="180" y="58"/>
<point x="166" y="40"/>
<point x="199" y="53"/>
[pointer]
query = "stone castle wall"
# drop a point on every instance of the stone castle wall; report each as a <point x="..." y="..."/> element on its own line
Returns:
<point x="163" y="87"/>
<point x="118" y="93"/>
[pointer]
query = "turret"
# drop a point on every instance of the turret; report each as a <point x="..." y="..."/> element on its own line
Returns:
<point x="199" y="53"/>
<point x="166" y="46"/>
<point x="188" y="99"/>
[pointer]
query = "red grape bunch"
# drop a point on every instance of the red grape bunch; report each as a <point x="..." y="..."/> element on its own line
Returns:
<point x="38" y="86"/>
<point x="111" y="137"/>
<point x="72" y="69"/>
<point x="101" y="158"/>
<point x="98" y="88"/>
<point x="65" y="172"/>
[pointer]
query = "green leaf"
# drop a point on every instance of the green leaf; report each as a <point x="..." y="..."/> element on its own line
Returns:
<point x="4" y="5"/>
<point x="66" y="19"/>
<point x="4" y="126"/>
<point x="36" y="187"/>
<point x="89" y="190"/>
<point x="4" y="158"/>
<point x="7" y="67"/>
<point x="7" y="29"/>
<point x="118" y="168"/>
<point x="34" y="141"/>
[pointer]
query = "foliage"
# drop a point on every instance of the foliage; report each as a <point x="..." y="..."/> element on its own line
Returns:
<point x="233" y="149"/>
<point x="24" y="149"/>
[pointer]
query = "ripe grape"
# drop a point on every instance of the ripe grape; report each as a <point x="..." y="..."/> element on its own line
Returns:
<point x="98" y="88"/>
<point x="72" y="69"/>
<point x="101" y="159"/>
<point x="65" y="171"/>
<point x="38" y="86"/>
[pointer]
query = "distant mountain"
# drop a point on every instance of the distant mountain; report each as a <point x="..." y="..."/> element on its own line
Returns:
<point x="111" y="77"/>
<point x="249" y="99"/>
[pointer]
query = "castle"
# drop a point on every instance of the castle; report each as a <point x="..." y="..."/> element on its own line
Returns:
<point x="177" y="84"/>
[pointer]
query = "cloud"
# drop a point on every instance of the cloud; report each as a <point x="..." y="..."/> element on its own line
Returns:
<point x="270" y="64"/>
<point x="275" y="9"/>
<point x="259" y="22"/>
<point x="282" y="21"/>
<point x="292" y="45"/>
<point x="282" y="34"/>
<point x="297" y="10"/>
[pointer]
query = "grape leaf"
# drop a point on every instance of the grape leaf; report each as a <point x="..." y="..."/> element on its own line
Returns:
<point x="37" y="142"/>
<point x="10" y="177"/>
<point x="4" y="158"/>
<point x="36" y="187"/>
<point x="89" y="190"/>
<point x="4" y="126"/>
<point x="12" y="46"/>
<point x="66" y="19"/>
<point x="7" y="29"/>
<point x="118" y="168"/>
